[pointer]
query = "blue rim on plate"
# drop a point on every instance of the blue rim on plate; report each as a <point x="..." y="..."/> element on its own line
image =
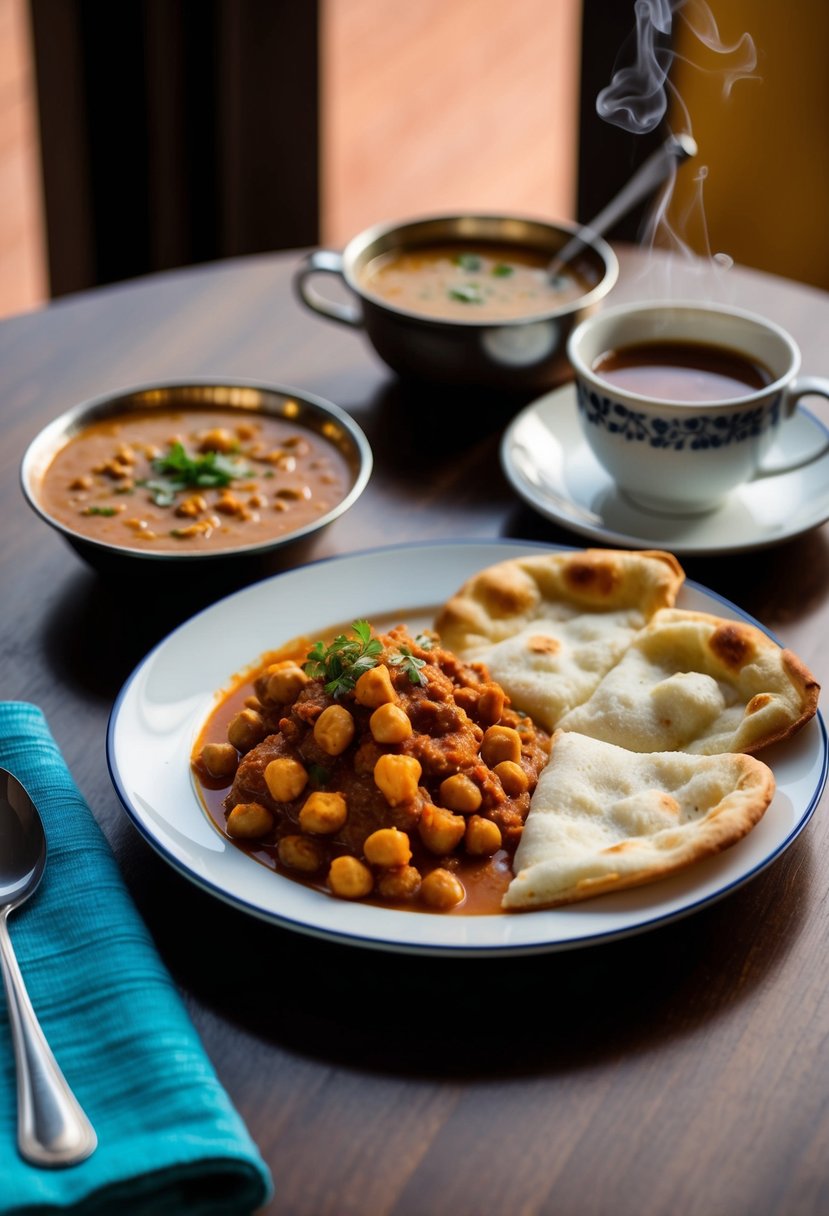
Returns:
<point x="161" y="708"/>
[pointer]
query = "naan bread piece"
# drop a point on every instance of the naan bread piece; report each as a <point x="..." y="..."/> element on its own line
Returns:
<point x="602" y="819"/>
<point x="549" y="626"/>
<point x="698" y="683"/>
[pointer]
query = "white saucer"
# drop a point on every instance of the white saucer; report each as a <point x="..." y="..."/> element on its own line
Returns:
<point x="547" y="461"/>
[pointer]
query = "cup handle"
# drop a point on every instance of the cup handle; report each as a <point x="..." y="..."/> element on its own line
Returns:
<point x="804" y="386"/>
<point x="324" y="261"/>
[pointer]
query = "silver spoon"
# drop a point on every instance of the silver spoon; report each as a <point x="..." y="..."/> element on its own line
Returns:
<point x="650" y="174"/>
<point x="52" y="1129"/>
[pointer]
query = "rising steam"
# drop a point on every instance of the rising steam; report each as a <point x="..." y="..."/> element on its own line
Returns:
<point x="637" y="97"/>
<point x="637" y="100"/>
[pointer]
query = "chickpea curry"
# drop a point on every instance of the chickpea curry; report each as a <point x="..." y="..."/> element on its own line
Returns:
<point x="378" y="768"/>
<point x="194" y="479"/>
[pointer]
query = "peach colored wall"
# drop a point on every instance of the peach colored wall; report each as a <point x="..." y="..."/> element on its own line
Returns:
<point x="431" y="105"/>
<point x="22" y="255"/>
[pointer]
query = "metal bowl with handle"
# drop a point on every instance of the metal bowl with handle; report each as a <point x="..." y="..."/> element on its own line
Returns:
<point x="514" y="354"/>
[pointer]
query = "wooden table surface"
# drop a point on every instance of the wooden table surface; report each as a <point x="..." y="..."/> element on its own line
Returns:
<point x="683" y="1070"/>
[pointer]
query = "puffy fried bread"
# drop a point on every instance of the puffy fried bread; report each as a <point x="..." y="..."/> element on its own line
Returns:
<point x="698" y="683"/>
<point x="602" y="819"/>
<point x="549" y="626"/>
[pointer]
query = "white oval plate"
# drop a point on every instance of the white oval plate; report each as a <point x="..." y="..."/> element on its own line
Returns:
<point x="162" y="707"/>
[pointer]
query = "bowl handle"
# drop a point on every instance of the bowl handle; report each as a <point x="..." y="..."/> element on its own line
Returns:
<point x="324" y="261"/>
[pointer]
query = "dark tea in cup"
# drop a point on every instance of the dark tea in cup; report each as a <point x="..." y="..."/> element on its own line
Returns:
<point x="684" y="372"/>
<point x="680" y="402"/>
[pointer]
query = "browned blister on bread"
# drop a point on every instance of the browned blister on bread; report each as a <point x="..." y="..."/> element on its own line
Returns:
<point x="549" y="626"/>
<point x="603" y="819"/>
<point x="698" y="683"/>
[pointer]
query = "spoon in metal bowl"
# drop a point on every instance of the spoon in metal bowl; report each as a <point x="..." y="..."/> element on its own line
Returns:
<point x="52" y="1129"/>
<point x="650" y="174"/>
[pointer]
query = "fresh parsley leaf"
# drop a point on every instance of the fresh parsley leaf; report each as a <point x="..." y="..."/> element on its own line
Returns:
<point x="468" y="261"/>
<point x="342" y="663"/>
<point x="467" y="293"/>
<point x="408" y="663"/>
<point x="502" y="270"/>
<point x="318" y="774"/>
<point x="178" y="471"/>
<point x="99" y="511"/>
<point x="424" y="641"/>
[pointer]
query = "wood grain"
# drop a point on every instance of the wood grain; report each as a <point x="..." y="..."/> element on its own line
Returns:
<point x="682" y="1070"/>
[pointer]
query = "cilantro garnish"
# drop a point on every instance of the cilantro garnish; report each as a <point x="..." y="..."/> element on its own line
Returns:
<point x="177" y="471"/>
<point x="468" y="261"/>
<point x="342" y="663"/>
<point x="99" y="511"/>
<point x="467" y="293"/>
<point x="502" y="270"/>
<point x="408" y="663"/>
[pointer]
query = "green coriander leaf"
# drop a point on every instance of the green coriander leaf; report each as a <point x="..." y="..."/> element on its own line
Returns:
<point x="99" y="511"/>
<point x="342" y="663"/>
<point x="502" y="270"/>
<point x="408" y="663"/>
<point x="467" y="293"/>
<point x="424" y="641"/>
<point x="468" y="261"/>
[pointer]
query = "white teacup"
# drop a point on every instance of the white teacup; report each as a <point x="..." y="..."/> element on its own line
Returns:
<point x="680" y="456"/>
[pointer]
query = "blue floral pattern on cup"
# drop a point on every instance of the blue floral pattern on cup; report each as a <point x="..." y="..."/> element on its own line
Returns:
<point x="696" y="433"/>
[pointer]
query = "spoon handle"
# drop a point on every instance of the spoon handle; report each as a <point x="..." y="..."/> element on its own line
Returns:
<point x="650" y="174"/>
<point x="52" y="1128"/>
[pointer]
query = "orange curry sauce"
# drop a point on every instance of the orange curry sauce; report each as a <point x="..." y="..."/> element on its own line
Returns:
<point x="484" y="879"/>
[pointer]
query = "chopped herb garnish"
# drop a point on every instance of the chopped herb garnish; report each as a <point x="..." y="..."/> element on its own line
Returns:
<point x="468" y="261"/>
<point x="343" y="662"/>
<point x="177" y="471"/>
<point x="502" y="270"/>
<point x="99" y="511"/>
<point x="318" y="774"/>
<point x="424" y="641"/>
<point x="408" y="663"/>
<point x="467" y="293"/>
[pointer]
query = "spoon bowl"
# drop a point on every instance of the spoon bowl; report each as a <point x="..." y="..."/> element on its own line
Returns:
<point x="52" y="1129"/>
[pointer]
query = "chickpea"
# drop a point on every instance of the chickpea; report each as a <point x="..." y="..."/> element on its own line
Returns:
<point x="374" y="687"/>
<point x="350" y="878"/>
<point x="249" y="820"/>
<point x="491" y="704"/>
<point x="440" y="830"/>
<point x="512" y="777"/>
<point x="460" y="793"/>
<point x="500" y="743"/>
<point x="246" y="729"/>
<point x="397" y="777"/>
<point x="323" y="813"/>
<point x="390" y="724"/>
<point x="387" y="847"/>
<point x="441" y="889"/>
<point x="285" y="682"/>
<point x="401" y="882"/>
<point x="300" y="853"/>
<point x="334" y="730"/>
<point x="253" y="703"/>
<point x="483" y="837"/>
<point x="285" y="779"/>
<point x="229" y="504"/>
<point x="219" y="439"/>
<point x="192" y="506"/>
<point x="219" y="759"/>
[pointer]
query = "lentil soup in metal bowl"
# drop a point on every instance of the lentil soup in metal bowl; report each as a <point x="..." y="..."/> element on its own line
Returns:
<point x="195" y="470"/>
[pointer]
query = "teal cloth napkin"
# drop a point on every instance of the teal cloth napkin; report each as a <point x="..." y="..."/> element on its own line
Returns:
<point x="169" y="1139"/>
